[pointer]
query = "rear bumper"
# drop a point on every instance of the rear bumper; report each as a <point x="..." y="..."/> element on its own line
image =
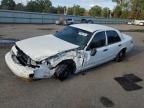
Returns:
<point x="18" y="69"/>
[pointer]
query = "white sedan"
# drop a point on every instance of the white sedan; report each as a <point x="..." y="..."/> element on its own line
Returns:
<point x="75" y="48"/>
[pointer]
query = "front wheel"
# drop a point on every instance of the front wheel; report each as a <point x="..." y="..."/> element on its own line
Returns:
<point x="62" y="71"/>
<point x="120" y="56"/>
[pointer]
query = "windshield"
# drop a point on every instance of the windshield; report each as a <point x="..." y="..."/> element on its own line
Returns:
<point x="75" y="36"/>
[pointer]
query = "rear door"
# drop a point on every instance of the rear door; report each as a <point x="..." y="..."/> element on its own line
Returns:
<point x="113" y="43"/>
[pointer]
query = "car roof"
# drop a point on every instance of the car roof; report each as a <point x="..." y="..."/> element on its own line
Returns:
<point x="92" y="27"/>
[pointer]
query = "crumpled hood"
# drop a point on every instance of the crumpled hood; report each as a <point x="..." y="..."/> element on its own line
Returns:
<point x="42" y="47"/>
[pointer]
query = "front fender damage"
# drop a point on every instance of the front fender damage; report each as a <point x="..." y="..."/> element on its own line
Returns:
<point x="47" y="69"/>
<point x="75" y="55"/>
<point x="42" y="72"/>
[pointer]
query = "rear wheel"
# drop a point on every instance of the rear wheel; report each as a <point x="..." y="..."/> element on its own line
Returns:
<point x="120" y="56"/>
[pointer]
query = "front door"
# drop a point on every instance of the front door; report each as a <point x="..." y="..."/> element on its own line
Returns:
<point x="96" y="52"/>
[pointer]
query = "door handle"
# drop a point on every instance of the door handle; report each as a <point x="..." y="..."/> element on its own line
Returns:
<point x="105" y="50"/>
<point x="120" y="45"/>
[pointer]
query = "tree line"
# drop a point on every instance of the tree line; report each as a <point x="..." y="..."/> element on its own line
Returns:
<point x="131" y="9"/>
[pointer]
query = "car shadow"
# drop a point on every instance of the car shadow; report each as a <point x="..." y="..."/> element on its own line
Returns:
<point x="95" y="68"/>
<point x="135" y="52"/>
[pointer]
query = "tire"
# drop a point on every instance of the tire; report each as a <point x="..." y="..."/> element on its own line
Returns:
<point x="120" y="56"/>
<point x="62" y="72"/>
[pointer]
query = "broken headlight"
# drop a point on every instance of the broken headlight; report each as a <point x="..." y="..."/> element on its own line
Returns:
<point x="46" y="62"/>
<point x="32" y="62"/>
<point x="11" y="52"/>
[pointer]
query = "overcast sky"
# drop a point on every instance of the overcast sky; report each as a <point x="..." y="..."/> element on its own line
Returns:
<point x="83" y="3"/>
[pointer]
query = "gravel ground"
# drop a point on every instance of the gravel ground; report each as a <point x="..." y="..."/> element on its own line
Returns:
<point x="80" y="91"/>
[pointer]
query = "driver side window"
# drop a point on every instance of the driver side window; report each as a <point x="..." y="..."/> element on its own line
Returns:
<point x="98" y="41"/>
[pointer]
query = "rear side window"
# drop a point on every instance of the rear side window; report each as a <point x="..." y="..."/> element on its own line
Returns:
<point x="113" y="37"/>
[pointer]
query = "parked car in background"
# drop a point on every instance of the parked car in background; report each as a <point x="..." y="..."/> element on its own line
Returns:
<point x="139" y="22"/>
<point x="69" y="21"/>
<point x="86" y="21"/>
<point x="83" y="21"/>
<point x="60" y="21"/>
<point x="75" y="48"/>
<point x="130" y="23"/>
<point x="90" y="21"/>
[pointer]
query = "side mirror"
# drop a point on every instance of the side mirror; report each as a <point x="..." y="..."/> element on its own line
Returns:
<point x="92" y="49"/>
<point x="92" y="45"/>
<point x="93" y="52"/>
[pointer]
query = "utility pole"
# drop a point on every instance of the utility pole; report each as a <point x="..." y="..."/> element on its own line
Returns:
<point x="74" y="11"/>
<point x="65" y="10"/>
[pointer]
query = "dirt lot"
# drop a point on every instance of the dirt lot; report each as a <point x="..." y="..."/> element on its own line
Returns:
<point x="80" y="91"/>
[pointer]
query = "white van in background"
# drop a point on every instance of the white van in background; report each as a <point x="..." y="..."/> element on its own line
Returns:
<point x="139" y="22"/>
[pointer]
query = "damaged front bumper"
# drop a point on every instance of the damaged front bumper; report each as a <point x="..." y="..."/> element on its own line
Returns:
<point x="26" y="71"/>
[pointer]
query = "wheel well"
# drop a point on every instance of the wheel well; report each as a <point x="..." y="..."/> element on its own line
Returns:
<point x="124" y="49"/>
<point x="70" y="63"/>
